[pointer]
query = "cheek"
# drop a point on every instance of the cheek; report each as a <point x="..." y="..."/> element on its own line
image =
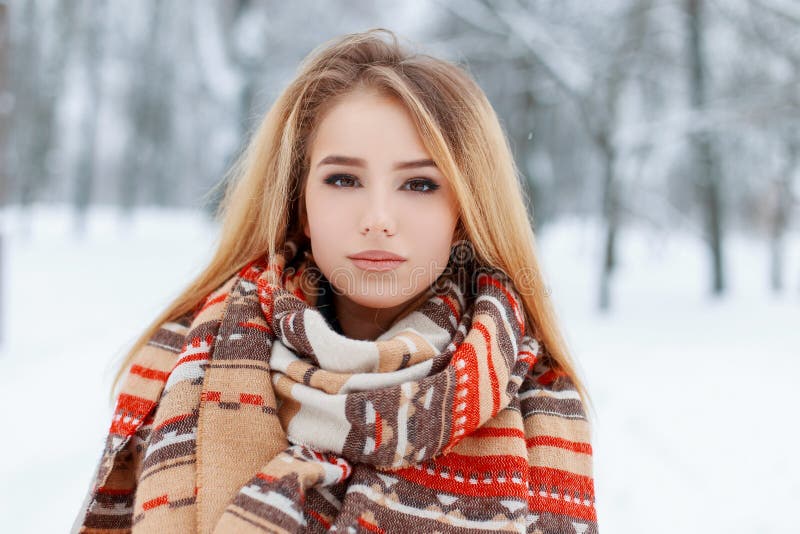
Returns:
<point x="327" y="228"/>
<point x="430" y="233"/>
<point x="324" y="217"/>
<point x="434" y="218"/>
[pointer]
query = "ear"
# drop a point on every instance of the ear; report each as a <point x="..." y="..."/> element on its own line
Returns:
<point x="306" y="231"/>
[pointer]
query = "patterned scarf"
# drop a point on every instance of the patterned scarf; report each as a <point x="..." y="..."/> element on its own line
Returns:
<point x="256" y="415"/>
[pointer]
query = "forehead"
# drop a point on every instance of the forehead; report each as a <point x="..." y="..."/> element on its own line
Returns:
<point x="366" y="125"/>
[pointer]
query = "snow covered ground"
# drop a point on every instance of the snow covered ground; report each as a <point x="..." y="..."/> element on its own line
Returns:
<point x="696" y="407"/>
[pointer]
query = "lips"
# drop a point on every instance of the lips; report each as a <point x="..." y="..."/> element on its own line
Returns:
<point x="376" y="255"/>
<point x="377" y="260"/>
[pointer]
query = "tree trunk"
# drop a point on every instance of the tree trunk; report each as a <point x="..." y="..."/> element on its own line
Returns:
<point x="611" y="214"/>
<point x="5" y="112"/>
<point x="780" y="211"/>
<point x="706" y="166"/>
<point x="84" y="179"/>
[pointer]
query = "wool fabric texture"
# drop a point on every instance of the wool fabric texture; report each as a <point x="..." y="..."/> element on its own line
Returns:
<point x="253" y="414"/>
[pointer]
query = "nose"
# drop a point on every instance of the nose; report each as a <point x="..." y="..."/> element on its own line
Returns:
<point x="378" y="217"/>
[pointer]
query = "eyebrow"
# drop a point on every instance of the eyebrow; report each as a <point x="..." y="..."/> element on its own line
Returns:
<point x="358" y="162"/>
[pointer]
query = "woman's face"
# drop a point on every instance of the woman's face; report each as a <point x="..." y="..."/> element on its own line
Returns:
<point x="372" y="186"/>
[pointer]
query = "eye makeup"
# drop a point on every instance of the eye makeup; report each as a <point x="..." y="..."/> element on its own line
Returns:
<point x="416" y="182"/>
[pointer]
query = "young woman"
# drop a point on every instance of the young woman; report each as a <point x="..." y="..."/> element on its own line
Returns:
<point x="369" y="349"/>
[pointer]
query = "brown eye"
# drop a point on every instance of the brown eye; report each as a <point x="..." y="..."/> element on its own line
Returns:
<point x="416" y="184"/>
<point x="332" y="179"/>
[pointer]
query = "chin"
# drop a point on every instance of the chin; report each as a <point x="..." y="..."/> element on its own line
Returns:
<point x="377" y="299"/>
<point x="383" y="295"/>
<point x="378" y="289"/>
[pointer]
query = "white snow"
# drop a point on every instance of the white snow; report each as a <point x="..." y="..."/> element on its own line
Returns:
<point x="695" y="398"/>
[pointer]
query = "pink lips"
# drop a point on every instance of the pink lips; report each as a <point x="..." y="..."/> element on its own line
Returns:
<point x="376" y="260"/>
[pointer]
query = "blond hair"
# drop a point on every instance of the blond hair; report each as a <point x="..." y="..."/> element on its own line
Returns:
<point x="263" y="203"/>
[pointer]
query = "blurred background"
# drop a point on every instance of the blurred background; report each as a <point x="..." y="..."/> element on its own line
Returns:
<point x="659" y="141"/>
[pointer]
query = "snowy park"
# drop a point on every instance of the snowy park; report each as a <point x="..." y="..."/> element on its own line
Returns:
<point x="657" y="151"/>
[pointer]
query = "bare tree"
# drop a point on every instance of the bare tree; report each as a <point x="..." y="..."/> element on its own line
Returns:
<point x="709" y="177"/>
<point x="92" y="33"/>
<point x="759" y="27"/>
<point x="5" y="110"/>
<point x="38" y="68"/>
<point x="780" y="208"/>
<point x="595" y="90"/>
<point x="144" y="175"/>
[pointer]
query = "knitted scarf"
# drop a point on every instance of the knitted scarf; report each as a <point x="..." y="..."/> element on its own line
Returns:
<point x="267" y="419"/>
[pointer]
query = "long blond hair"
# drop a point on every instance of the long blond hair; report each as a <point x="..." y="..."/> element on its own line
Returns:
<point x="263" y="202"/>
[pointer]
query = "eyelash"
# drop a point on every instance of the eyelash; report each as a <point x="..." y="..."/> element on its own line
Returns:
<point x="432" y="186"/>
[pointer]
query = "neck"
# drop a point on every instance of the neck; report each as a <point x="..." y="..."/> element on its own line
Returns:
<point x="362" y="322"/>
